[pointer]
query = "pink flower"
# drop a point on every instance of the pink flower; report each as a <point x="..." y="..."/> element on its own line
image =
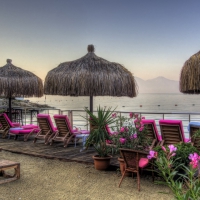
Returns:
<point x="134" y="136"/>
<point x="122" y="140"/>
<point x="141" y="128"/>
<point x="143" y="117"/>
<point x="126" y="129"/>
<point x="122" y="129"/>
<point x="114" y="115"/>
<point x="172" y="148"/>
<point x="194" y="160"/>
<point x="136" y="115"/>
<point x="163" y="148"/>
<point x="152" y="154"/>
<point x="131" y="115"/>
<point x="137" y="126"/>
<point x="194" y="156"/>
<point x="109" y="141"/>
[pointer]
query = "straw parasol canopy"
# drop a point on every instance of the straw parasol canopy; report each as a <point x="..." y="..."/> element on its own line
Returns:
<point x="190" y="75"/>
<point x="90" y="76"/>
<point x="15" y="82"/>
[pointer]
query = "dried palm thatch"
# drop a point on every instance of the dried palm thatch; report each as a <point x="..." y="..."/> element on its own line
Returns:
<point x="190" y="75"/>
<point x="90" y="76"/>
<point x="15" y="82"/>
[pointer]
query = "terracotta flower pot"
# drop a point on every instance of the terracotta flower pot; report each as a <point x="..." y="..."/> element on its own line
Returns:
<point x="122" y="167"/>
<point x="101" y="163"/>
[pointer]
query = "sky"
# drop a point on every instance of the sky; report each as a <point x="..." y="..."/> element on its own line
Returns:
<point x="150" y="38"/>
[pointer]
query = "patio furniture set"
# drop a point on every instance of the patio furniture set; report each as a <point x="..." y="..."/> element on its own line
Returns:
<point x="171" y="133"/>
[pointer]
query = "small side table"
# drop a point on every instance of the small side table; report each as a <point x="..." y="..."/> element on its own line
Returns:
<point x="83" y="137"/>
<point x="7" y="164"/>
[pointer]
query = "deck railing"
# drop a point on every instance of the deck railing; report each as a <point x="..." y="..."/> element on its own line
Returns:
<point x="77" y="116"/>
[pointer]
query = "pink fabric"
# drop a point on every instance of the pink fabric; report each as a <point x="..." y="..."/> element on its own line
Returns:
<point x="174" y="122"/>
<point x="9" y="122"/>
<point x="22" y="131"/>
<point x="143" y="162"/>
<point x="69" y="125"/>
<point x="15" y="124"/>
<point x="47" y="116"/>
<point x="109" y="131"/>
<point x="151" y="121"/>
<point x="30" y="126"/>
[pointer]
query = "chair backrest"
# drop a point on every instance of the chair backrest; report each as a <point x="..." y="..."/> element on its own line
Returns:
<point x="131" y="158"/>
<point x="195" y="140"/>
<point x="172" y="131"/>
<point x="5" y="121"/>
<point x="45" y="124"/>
<point x="63" y="125"/>
<point x="151" y="129"/>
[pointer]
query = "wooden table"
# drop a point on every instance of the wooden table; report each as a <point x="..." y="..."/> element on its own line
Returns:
<point x="6" y="165"/>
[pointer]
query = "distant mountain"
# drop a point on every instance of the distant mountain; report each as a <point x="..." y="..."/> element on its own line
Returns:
<point x="157" y="85"/>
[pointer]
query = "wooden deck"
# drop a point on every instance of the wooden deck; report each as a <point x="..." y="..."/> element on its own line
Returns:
<point x="56" y="151"/>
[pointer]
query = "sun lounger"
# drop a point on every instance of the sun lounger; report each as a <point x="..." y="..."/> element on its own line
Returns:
<point x="193" y="128"/>
<point x="152" y="130"/>
<point x="6" y="125"/>
<point x="23" y="131"/>
<point x="65" y="132"/>
<point x="172" y="132"/>
<point x="46" y="128"/>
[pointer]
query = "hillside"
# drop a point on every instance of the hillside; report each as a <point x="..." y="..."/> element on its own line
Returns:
<point x="157" y="85"/>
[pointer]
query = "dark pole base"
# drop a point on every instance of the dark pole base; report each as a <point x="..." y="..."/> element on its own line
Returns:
<point x="91" y="104"/>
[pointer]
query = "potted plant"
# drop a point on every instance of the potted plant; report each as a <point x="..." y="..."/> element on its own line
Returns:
<point x="98" y="136"/>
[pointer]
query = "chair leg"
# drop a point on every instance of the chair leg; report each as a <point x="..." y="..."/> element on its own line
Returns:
<point x="35" y="140"/>
<point x="138" y="180"/>
<point x="122" y="178"/>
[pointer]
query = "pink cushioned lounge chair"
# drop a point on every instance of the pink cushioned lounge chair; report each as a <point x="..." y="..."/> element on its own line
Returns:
<point x="65" y="132"/>
<point x="152" y="132"/>
<point x="6" y="125"/>
<point x="172" y="132"/>
<point x="46" y="128"/>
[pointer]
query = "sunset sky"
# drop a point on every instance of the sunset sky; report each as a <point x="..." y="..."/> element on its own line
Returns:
<point x="149" y="37"/>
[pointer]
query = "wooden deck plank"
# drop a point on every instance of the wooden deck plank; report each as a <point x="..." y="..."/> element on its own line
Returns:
<point x="56" y="151"/>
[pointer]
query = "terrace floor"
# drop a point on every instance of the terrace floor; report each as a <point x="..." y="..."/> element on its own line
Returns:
<point x="56" y="151"/>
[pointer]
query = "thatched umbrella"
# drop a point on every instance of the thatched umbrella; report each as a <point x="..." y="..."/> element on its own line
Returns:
<point x="190" y="75"/>
<point x="90" y="76"/>
<point x="15" y="82"/>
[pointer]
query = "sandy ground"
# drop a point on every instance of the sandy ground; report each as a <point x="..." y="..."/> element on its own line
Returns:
<point x="44" y="179"/>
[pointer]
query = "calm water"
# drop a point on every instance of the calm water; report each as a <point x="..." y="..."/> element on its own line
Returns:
<point x="167" y="103"/>
<point x="141" y="103"/>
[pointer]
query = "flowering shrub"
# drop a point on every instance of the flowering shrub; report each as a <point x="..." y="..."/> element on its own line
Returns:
<point x="181" y="157"/>
<point x="130" y="132"/>
<point x="187" y="186"/>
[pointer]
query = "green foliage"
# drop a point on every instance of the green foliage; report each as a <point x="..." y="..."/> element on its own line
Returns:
<point x="2" y="111"/>
<point x="98" y="134"/>
<point x="182" y="153"/>
<point x="187" y="187"/>
<point x="133" y="138"/>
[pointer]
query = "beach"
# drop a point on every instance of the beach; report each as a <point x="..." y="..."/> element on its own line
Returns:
<point x="45" y="179"/>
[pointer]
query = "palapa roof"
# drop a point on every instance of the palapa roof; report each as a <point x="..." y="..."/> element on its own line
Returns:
<point x="15" y="81"/>
<point x="90" y="76"/>
<point x="190" y="75"/>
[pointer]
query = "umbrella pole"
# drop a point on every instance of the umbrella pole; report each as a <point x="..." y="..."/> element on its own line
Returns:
<point x="10" y="110"/>
<point x="91" y="104"/>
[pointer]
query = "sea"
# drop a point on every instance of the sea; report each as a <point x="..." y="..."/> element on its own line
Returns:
<point x="152" y="106"/>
